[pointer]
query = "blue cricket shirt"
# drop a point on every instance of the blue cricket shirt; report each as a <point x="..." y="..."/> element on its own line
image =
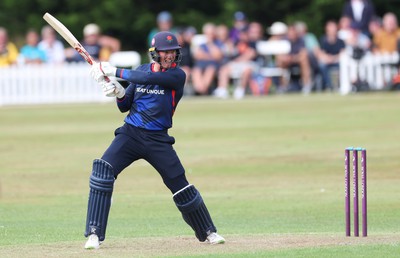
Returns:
<point x="151" y="97"/>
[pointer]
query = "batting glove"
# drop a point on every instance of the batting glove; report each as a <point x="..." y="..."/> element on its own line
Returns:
<point x="99" y="70"/>
<point x="112" y="89"/>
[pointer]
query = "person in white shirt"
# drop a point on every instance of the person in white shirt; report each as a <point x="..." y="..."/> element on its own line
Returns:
<point x="53" y="47"/>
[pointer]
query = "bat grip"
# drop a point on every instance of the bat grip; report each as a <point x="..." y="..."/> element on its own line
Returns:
<point x="105" y="77"/>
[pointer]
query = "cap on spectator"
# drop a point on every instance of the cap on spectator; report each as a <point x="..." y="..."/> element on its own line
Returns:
<point x="91" y="29"/>
<point x="277" y="28"/>
<point x="239" y="16"/>
<point x="164" y="16"/>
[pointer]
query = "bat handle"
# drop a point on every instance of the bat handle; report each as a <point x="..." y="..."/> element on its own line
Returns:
<point x="105" y="77"/>
<point x="89" y="58"/>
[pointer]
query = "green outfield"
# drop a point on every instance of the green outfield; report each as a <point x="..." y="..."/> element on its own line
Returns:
<point x="271" y="171"/>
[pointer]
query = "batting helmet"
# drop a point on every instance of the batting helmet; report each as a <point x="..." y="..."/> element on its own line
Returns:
<point x="164" y="41"/>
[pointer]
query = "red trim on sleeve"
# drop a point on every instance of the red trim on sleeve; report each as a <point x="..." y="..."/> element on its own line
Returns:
<point x="173" y="92"/>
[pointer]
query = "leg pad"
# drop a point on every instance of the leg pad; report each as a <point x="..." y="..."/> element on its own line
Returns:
<point x="101" y="187"/>
<point x="194" y="211"/>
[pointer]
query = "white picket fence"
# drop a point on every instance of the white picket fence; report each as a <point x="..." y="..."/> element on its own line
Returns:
<point x="46" y="84"/>
<point x="71" y="83"/>
<point x="375" y="69"/>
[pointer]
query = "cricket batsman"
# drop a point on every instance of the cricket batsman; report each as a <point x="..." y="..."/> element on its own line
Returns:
<point x="150" y="99"/>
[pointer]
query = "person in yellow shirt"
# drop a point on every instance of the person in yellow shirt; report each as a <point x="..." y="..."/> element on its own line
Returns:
<point x="8" y="51"/>
<point x="385" y="40"/>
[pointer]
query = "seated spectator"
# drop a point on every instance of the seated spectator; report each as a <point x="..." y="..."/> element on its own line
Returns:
<point x="244" y="63"/>
<point x="328" y="54"/>
<point x="207" y="61"/>
<point x="278" y="33"/>
<point x="185" y="41"/>
<point x="31" y="53"/>
<point x="239" y="24"/>
<point x="311" y="44"/>
<point x="53" y="48"/>
<point x="111" y="43"/>
<point x="8" y="51"/>
<point x="357" y="47"/>
<point x="395" y="84"/>
<point x="375" y="26"/>
<point x="344" y="31"/>
<point x="385" y="40"/>
<point x="91" y="37"/>
<point x="297" y="62"/>
<point x="357" y="44"/>
<point x="228" y="46"/>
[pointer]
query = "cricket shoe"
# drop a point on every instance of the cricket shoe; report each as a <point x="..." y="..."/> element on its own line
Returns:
<point x="93" y="242"/>
<point x="214" y="239"/>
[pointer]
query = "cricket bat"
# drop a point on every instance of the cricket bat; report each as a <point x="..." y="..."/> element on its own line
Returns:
<point x="70" y="38"/>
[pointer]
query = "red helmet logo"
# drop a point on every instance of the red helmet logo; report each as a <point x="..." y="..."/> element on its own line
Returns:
<point x="169" y="38"/>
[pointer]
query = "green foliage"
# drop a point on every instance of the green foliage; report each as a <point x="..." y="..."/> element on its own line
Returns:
<point x="130" y="21"/>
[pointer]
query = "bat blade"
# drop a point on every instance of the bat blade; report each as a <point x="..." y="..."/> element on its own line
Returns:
<point x="68" y="36"/>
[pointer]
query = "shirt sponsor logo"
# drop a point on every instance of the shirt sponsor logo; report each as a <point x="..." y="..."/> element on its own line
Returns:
<point x="150" y="91"/>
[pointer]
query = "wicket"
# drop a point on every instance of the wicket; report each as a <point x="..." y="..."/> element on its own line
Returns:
<point x="355" y="190"/>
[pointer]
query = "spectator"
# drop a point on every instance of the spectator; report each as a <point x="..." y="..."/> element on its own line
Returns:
<point x="395" y="84"/>
<point x="243" y="63"/>
<point x="328" y="54"/>
<point x="310" y="40"/>
<point x="375" y="26"/>
<point x="297" y="62"/>
<point x="385" y="40"/>
<point x="344" y="28"/>
<point x="8" y="51"/>
<point x="361" y="12"/>
<point x="53" y="48"/>
<point x="164" y="23"/>
<point x="31" y="53"/>
<point x="277" y="32"/>
<point x="91" y="42"/>
<point x="358" y="43"/>
<point x="207" y="60"/>
<point x="239" y="24"/>
<point x="311" y="44"/>
<point x="185" y="41"/>
<point x="228" y="46"/>
<point x="111" y="43"/>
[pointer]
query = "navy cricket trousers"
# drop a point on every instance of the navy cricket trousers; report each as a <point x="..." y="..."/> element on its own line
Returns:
<point x="132" y="143"/>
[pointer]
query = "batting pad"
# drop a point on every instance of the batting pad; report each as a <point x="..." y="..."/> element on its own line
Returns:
<point x="101" y="187"/>
<point x="194" y="211"/>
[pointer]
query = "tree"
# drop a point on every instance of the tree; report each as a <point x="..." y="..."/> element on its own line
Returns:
<point x="130" y="21"/>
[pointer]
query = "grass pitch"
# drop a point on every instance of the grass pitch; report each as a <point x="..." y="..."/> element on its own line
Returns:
<point x="271" y="171"/>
